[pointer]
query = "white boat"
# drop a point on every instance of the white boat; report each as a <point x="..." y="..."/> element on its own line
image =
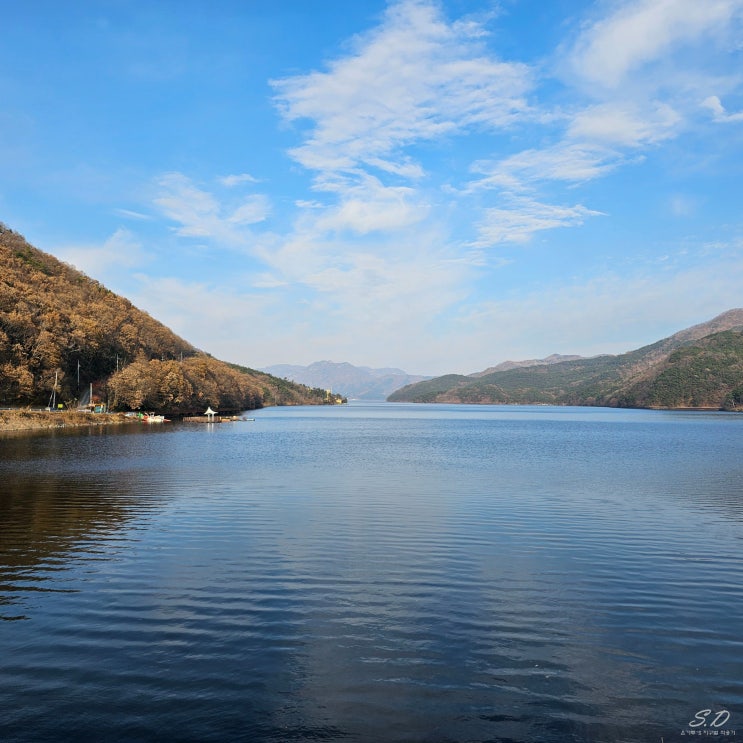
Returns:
<point x="152" y="418"/>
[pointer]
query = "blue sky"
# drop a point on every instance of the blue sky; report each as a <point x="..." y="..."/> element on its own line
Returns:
<point x="433" y="185"/>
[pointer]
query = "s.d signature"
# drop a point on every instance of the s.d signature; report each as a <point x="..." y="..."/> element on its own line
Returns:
<point x="706" y="718"/>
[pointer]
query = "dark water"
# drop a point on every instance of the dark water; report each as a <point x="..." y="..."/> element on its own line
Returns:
<point x="376" y="573"/>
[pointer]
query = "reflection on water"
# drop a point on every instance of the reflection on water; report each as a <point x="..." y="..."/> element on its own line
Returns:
<point x="58" y="501"/>
<point x="375" y="573"/>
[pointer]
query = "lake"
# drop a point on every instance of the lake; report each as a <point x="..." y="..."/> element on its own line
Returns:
<point x="376" y="572"/>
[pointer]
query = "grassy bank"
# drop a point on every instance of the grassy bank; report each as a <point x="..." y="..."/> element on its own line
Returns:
<point x="29" y="420"/>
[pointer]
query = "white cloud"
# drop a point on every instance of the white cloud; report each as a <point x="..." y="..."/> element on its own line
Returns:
<point x="640" y="32"/>
<point x="366" y="285"/>
<point x="352" y="272"/>
<point x="196" y="211"/>
<point x="237" y="180"/>
<point x="129" y="214"/>
<point x="567" y="161"/>
<point x="609" y="313"/>
<point x="625" y="124"/>
<point x="310" y="309"/>
<point x="415" y="78"/>
<point x="267" y="281"/>
<point x="627" y="108"/>
<point x="719" y="113"/>
<point x="368" y="206"/>
<point x="199" y="213"/>
<point x="254" y="209"/>
<point x="190" y="310"/>
<point x="386" y="307"/>
<point x="371" y="309"/>
<point x="120" y="250"/>
<point x="518" y="223"/>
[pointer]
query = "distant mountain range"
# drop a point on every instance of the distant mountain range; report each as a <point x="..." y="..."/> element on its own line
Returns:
<point x="355" y="382"/>
<point x="699" y="367"/>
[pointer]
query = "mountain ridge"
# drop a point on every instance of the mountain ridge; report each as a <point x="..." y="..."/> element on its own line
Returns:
<point x="554" y="358"/>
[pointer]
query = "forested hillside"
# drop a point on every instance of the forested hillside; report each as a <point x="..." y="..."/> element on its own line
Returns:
<point x="699" y="367"/>
<point x="57" y="322"/>
<point x="706" y="374"/>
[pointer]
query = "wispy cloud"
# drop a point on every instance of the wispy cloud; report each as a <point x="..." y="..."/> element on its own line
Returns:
<point x="624" y="124"/>
<point x="597" y="140"/>
<point x="398" y="306"/>
<point x="368" y="206"/>
<point x="416" y="78"/>
<point x="604" y="313"/>
<point x="195" y="211"/>
<point x="621" y="71"/>
<point x="518" y="223"/>
<point x="642" y="32"/>
<point x="254" y="209"/>
<point x="568" y="162"/>
<point x="200" y="213"/>
<point x="237" y="180"/>
<point x="129" y="214"/>
<point x="189" y="308"/>
<point x="719" y="112"/>
<point x="121" y="250"/>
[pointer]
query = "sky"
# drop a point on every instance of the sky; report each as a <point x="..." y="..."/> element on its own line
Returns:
<point x="434" y="185"/>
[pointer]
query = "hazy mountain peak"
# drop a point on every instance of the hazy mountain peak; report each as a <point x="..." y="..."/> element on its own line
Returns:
<point x="357" y="382"/>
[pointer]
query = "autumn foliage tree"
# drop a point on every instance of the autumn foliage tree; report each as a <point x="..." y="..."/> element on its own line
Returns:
<point x="187" y="386"/>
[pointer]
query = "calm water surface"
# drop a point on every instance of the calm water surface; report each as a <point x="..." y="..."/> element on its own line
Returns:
<point x="376" y="573"/>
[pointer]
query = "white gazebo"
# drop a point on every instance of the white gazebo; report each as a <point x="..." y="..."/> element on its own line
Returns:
<point x="210" y="414"/>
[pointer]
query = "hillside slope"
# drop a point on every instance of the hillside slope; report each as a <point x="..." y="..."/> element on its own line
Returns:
<point x="357" y="382"/>
<point x="55" y="322"/>
<point x="701" y="366"/>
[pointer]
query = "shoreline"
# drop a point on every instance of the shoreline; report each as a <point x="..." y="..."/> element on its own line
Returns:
<point x="40" y="420"/>
<point x="13" y="420"/>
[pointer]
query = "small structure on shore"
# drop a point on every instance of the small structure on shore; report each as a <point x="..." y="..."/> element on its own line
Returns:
<point x="212" y="416"/>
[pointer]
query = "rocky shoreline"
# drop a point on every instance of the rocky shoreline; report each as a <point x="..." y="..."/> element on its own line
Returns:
<point x="37" y="420"/>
